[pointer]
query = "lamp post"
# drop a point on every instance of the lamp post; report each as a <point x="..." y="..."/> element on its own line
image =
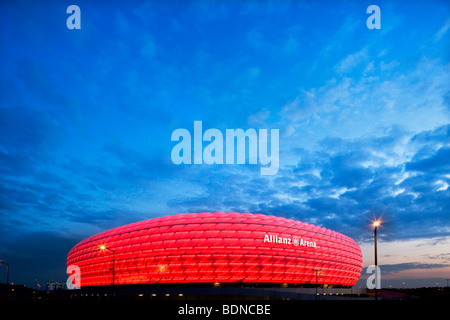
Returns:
<point x="103" y="247"/>
<point x="376" y="224"/>
<point x="317" y="270"/>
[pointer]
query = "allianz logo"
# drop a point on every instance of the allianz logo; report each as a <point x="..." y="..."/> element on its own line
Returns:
<point x="296" y="241"/>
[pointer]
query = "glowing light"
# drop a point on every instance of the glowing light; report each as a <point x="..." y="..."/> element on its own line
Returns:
<point x="162" y="268"/>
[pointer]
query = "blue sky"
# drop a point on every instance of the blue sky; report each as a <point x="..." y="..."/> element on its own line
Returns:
<point x="86" y="118"/>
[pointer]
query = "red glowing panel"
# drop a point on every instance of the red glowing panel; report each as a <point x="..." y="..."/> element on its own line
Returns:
<point x="217" y="247"/>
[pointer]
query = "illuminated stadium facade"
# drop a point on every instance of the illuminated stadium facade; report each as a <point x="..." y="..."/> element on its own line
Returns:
<point x="207" y="248"/>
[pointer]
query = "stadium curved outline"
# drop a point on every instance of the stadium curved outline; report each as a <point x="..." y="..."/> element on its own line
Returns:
<point x="211" y="247"/>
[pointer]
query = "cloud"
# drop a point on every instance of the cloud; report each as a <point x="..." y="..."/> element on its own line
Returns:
<point x="259" y="118"/>
<point x="342" y="184"/>
<point x="27" y="135"/>
<point x="351" y="61"/>
<point x="358" y="105"/>
<point x="347" y="170"/>
<point x="442" y="31"/>
<point x="439" y="162"/>
<point x="387" y="269"/>
<point x="41" y="188"/>
<point x="36" y="257"/>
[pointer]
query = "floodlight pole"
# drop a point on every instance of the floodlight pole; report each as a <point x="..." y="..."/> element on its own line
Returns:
<point x="113" y="266"/>
<point x="376" y="224"/>
<point x="114" y="269"/>
<point x="316" y="270"/>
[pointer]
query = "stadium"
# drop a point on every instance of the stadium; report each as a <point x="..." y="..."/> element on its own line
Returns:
<point x="216" y="248"/>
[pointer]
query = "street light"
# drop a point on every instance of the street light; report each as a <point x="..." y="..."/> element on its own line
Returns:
<point x="317" y="270"/>
<point x="102" y="248"/>
<point x="376" y="224"/>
